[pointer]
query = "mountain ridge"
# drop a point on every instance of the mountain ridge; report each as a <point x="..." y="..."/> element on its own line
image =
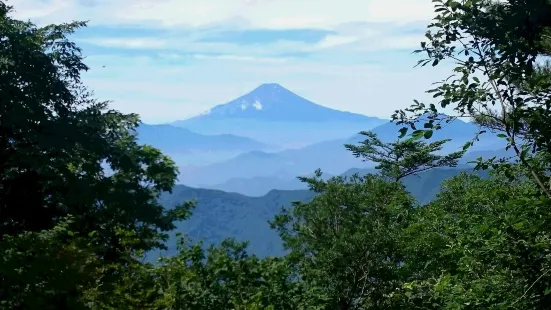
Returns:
<point x="176" y="139"/>
<point x="330" y="156"/>
<point x="219" y="215"/>
<point x="273" y="102"/>
<point x="273" y="114"/>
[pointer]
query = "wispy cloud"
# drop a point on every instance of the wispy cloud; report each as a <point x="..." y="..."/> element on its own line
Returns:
<point x="271" y="14"/>
<point x="240" y="58"/>
<point x="169" y="59"/>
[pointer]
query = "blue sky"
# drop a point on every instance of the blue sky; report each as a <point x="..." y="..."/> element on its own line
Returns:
<point x="172" y="59"/>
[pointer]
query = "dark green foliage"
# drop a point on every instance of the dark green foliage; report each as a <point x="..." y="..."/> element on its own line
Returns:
<point x="54" y="142"/>
<point x="38" y="272"/>
<point x="482" y="244"/>
<point x="54" y="138"/>
<point x="226" y="277"/>
<point x="346" y="242"/>
<point x="397" y="160"/>
<point x="219" y="215"/>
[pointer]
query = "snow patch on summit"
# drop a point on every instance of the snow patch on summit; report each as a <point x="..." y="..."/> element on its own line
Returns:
<point x="245" y="104"/>
<point x="257" y="105"/>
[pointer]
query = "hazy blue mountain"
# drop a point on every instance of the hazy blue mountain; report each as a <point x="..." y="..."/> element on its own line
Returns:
<point x="257" y="186"/>
<point x="189" y="148"/>
<point x="458" y="131"/>
<point x="330" y="156"/>
<point x="272" y="102"/>
<point x="220" y="215"/>
<point x="260" y="186"/>
<point x="170" y="139"/>
<point x="273" y="114"/>
<point x="501" y="153"/>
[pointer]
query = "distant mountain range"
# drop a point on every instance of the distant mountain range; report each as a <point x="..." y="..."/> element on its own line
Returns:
<point x="274" y="115"/>
<point x="330" y="156"/>
<point x="260" y="142"/>
<point x="458" y="131"/>
<point x="174" y="139"/>
<point x="220" y="215"/>
<point x="270" y="118"/>
<point x="265" y="138"/>
<point x="189" y="148"/>
<point x="260" y="186"/>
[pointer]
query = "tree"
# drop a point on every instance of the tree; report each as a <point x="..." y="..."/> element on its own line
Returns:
<point x="482" y="244"/>
<point x="55" y="137"/>
<point x="55" y="142"/>
<point x="44" y="270"/>
<point x="346" y="242"/>
<point x="400" y="159"/>
<point x="496" y="81"/>
<point x="225" y="277"/>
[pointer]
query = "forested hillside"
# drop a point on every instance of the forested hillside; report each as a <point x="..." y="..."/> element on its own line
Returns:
<point x="219" y="215"/>
<point x="73" y="236"/>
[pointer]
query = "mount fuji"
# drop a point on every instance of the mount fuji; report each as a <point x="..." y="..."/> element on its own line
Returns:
<point x="275" y="115"/>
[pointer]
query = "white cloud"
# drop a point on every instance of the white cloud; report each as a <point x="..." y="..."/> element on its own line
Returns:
<point x="129" y="43"/>
<point x="240" y="58"/>
<point x="362" y="38"/>
<point x="335" y="40"/>
<point x="359" y="25"/>
<point x="189" y="76"/>
<point x="274" y="14"/>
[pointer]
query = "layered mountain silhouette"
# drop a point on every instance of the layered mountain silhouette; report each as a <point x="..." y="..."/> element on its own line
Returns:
<point x="458" y="131"/>
<point x="329" y="156"/>
<point x="175" y="139"/>
<point x="257" y="144"/>
<point x="186" y="147"/>
<point x="266" y="138"/>
<point x="260" y="186"/>
<point x="274" y="115"/>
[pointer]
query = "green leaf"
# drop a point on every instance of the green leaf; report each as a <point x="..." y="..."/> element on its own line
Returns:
<point x="428" y="134"/>
<point x="418" y="134"/>
<point x="403" y="132"/>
